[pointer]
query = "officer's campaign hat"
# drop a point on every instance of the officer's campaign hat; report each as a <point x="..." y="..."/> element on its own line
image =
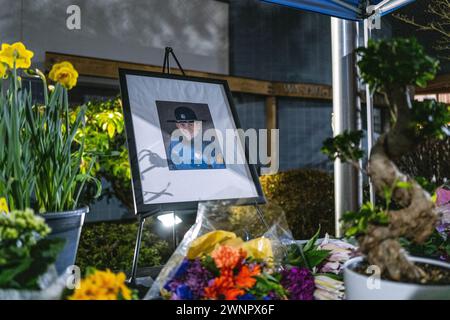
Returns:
<point x="184" y="114"/>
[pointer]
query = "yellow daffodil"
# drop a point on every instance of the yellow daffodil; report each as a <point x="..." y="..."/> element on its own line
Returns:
<point x="17" y="53"/>
<point x="103" y="285"/>
<point x="3" y="205"/>
<point x="65" y="74"/>
<point x="2" y="70"/>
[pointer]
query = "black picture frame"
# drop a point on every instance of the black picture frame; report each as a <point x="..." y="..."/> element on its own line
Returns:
<point x="149" y="209"/>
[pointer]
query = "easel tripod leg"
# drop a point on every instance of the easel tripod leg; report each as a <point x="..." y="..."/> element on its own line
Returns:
<point x="137" y="248"/>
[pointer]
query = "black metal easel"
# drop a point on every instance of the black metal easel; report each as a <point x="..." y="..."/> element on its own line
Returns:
<point x="142" y="216"/>
<point x="166" y="64"/>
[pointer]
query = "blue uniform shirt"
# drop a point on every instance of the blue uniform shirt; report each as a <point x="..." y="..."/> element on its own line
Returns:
<point x="216" y="162"/>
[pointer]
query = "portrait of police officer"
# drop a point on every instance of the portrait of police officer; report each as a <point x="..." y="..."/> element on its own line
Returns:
<point x="190" y="128"/>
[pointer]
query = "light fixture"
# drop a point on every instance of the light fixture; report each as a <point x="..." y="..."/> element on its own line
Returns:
<point x="168" y="220"/>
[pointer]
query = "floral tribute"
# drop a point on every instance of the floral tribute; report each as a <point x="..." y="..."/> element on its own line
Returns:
<point x="220" y="266"/>
<point x="442" y="239"/>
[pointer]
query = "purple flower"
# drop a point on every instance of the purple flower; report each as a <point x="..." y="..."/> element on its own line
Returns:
<point x="331" y="267"/>
<point x="190" y="281"/>
<point x="445" y="257"/>
<point x="442" y="228"/>
<point x="299" y="282"/>
<point x="443" y="196"/>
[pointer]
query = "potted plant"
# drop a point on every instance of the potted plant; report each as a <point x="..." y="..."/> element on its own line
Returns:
<point x="27" y="257"/>
<point x="102" y="285"/>
<point x="391" y="68"/>
<point x="41" y="163"/>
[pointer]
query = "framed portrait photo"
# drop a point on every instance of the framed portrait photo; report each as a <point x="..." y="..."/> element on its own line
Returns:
<point x="183" y="142"/>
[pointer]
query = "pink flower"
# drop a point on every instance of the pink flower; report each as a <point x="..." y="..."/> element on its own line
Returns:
<point x="443" y="196"/>
<point x="331" y="267"/>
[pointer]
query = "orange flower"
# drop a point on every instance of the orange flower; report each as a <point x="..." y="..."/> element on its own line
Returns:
<point x="232" y="294"/>
<point x="227" y="257"/>
<point x="230" y="286"/>
<point x="245" y="278"/>
<point x="223" y="287"/>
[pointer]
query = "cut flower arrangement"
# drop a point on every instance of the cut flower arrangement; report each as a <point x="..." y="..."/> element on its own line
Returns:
<point x="221" y="266"/>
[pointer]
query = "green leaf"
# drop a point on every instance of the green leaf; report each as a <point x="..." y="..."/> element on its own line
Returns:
<point x="316" y="257"/>
<point x="403" y="185"/>
<point x="8" y="274"/>
<point x="311" y="244"/>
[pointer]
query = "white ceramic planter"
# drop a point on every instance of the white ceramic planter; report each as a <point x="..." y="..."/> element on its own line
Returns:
<point x="361" y="287"/>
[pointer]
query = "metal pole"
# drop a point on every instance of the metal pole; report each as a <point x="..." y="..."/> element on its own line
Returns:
<point x="359" y="126"/>
<point x="137" y="248"/>
<point x="369" y="108"/>
<point x="174" y="231"/>
<point x="343" y="43"/>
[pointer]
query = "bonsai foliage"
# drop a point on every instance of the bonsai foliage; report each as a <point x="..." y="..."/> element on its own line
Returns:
<point x="399" y="62"/>
<point x="344" y="146"/>
<point x="25" y="254"/>
<point x="40" y="165"/>
<point x="391" y="67"/>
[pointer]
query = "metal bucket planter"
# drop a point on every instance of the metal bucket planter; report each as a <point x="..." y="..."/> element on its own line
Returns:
<point x="66" y="225"/>
<point x="357" y="288"/>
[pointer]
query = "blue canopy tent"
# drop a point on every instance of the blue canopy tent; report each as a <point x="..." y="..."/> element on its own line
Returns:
<point x="345" y="9"/>
<point x="344" y="37"/>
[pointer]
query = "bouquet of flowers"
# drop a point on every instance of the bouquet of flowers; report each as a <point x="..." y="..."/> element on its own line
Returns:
<point x="220" y="265"/>
<point x="443" y="204"/>
<point x="228" y="273"/>
<point x="234" y="270"/>
<point x="439" y="242"/>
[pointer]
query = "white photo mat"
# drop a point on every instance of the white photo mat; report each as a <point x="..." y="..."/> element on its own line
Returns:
<point x="159" y="185"/>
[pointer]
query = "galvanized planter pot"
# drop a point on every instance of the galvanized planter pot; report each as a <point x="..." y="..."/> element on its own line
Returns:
<point x="66" y="225"/>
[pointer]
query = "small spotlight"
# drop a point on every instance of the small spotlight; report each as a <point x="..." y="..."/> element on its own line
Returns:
<point x="168" y="220"/>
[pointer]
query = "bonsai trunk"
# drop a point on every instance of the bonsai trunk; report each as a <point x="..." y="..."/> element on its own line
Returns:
<point x="417" y="219"/>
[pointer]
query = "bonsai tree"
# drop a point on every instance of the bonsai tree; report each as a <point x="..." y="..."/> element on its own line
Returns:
<point x="392" y="68"/>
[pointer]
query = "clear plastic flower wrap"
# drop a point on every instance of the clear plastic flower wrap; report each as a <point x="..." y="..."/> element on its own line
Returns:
<point x="248" y="253"/>
<point x="260" y="232"/>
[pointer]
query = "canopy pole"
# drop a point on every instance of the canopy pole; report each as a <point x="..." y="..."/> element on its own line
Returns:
<point x="359" y="121"/>
<point x="369" y="109"/>
<point x="343" y="44"/>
